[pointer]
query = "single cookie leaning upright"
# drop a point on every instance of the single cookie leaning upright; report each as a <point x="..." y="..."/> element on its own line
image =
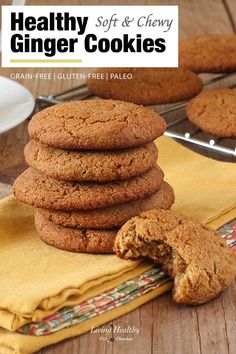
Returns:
<point x="34" y="188"/>
<point x="102" y="166"/>
<point x="214" y="111"/>
<point x="194" y="255"/>
<point x="74" y="240"/>
<point x="209" y="53"/>
<point x="148" y="85"/>
<point x="96" y="124"/>
<point x="113" y="216"/>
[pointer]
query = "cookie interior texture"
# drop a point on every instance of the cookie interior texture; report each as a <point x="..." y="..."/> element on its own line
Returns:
<point x="194" y="255"/>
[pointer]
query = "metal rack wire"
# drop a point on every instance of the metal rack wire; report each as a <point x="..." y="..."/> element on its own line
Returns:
<point x="213" y="143"/>
<point x="174" y="115"/>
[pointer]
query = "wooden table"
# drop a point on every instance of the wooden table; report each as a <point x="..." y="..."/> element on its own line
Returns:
<point x="166" y="328"/>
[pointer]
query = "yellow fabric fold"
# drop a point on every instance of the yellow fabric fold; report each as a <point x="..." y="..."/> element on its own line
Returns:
<point x="15" y="343"/>
<point x="204" y="188"/>
<point x="37" y="279"/>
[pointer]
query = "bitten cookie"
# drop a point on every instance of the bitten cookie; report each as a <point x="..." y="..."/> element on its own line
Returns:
<point x="209" y="53"/>
<point x="148" y="85"/>
<point x="74" y="240"/>
<point x="100" y="166"/>
<point x="214" y="111"/>
<point x="194" y="255"/>
<point x="114" y="216"/>
<point x="34" y="188"/>
<point x="96" y="124"/>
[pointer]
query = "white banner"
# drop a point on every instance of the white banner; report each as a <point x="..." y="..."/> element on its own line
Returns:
<point x="89" y="36"/>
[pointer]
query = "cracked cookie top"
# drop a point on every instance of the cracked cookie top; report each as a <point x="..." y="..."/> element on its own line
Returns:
<point x="101" y="166"/>
<point x="193" y="254"/>
<point x="148" y="85"/>
<point x="96" y="124"/>
<point x="37" y="189"/>
<point x="209" y="53"/>
<point x="74" y="240"/>
<point x="214" y="111"/>
<point x="112" y="216"/>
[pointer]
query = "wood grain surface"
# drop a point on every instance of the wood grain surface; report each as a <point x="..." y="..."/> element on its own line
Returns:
<point x="166" y="328"/>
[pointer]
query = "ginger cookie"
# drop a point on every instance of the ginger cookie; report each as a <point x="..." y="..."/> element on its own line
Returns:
<point x="96" y="124"/>
<point x="95" y="166"/>
<point x="148" y="85"/>
<point x="194" y="255"/>
<point x="209" y="53"/>
<point x="214" y="111"/>
<point x="114" y="216"/>
<point x="34" y="188"/>
<point x="74" y="240"/>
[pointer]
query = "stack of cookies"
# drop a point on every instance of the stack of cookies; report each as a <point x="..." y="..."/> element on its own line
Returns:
<point x="92" y="167"/>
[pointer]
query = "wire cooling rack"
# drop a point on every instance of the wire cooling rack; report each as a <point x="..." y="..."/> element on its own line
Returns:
<point x="178" y="125"/>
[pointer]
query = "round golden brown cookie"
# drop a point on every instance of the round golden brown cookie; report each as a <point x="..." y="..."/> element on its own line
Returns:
<point x="34" y="188"/>
<point x="209" y="53"/>
<point x="114" y="216"/>
<point x="96" y="124"/>
<point x="74" y="240"/>
<point x="148" y="85"/>
<point x="194" y="255"/>
<point x="100" y="166"/>
<point x="214" y="111"/>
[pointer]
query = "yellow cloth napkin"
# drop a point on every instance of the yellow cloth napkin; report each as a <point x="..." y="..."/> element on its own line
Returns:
<point x="204" y="188"/>
<point x="37" y="279"/>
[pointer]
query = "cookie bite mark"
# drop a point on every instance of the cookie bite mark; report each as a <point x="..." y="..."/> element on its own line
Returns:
<point x="194" y="256"/>
<point x="138" y="245"/>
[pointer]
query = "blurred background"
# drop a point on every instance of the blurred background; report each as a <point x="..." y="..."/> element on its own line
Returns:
<point x="195" y="17"/>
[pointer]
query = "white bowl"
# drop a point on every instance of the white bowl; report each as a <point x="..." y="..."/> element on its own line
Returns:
<point x="16" y="104"/>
